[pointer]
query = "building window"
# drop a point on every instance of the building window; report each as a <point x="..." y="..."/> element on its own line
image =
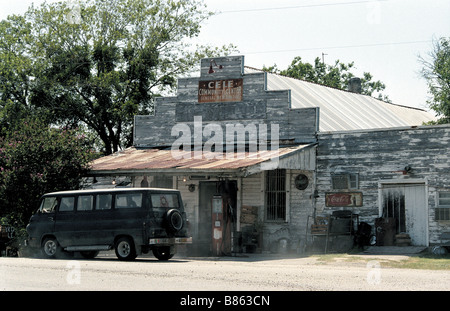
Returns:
<point x="443" y="206"/>
<point x="162" y="181"/>
<point x="276" y="195"/>
<point x="344" y="181"/>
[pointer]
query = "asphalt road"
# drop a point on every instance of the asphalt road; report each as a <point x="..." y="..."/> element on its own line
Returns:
<point x="253" y="273"/>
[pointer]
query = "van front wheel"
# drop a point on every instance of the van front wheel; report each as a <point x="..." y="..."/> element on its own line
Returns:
<point x="124" y="248"/>
<point x="51" y="248"/>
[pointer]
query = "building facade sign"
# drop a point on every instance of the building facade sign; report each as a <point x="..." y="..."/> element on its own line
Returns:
<point x="344" y="199"/>
<point x="217" y="91"/>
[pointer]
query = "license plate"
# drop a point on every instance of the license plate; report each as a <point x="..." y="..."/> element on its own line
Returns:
<point x="170" y="241"/>
<point x="183" y="240"/>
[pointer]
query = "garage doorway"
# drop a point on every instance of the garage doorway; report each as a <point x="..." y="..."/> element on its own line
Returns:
<point x="407" y="204"/>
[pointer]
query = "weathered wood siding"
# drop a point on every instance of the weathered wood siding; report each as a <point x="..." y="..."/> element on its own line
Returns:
<point x="258" y="106"/>
<point x="298" y="207"/>
<point x="381" y="155"/>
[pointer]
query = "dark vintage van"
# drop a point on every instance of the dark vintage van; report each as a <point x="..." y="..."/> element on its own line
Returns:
<point x="131" y="221"/>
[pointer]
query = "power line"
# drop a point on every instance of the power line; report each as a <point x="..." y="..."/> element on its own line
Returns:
<point x="342" y="47"/>
<point x="301" y="6"/>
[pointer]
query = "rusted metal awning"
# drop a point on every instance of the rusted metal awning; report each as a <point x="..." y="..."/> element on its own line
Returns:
<point x="133" y="161"/>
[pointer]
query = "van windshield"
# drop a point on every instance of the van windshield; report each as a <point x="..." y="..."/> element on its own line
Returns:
<point x="165" y="200"/>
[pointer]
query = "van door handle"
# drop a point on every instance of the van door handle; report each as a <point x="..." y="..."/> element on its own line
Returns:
<point x="50" y="218"/>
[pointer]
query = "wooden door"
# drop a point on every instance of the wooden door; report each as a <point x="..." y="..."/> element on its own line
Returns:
<point x="407" y="204"/>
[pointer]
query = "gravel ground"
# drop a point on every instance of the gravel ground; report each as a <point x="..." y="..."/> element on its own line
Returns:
<point x="250" y="273"/>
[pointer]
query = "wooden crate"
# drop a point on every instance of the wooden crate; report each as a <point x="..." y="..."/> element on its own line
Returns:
<point x="249" y="214"/>
<point x="249" y="210"/>
<point x="248" y="219"/>
<point x="319" y="229"/>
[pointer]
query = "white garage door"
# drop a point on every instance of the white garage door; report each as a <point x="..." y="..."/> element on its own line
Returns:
<point x="408" y="205"/>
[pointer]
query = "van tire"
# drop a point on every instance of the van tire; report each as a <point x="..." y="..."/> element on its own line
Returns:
<point x="125" y="250"/>
<point x="50" y="248"/>
<point x="174" y="220"/>
<point x="162" y="253"/>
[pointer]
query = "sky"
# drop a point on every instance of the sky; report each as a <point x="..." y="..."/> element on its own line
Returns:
<point x="383" y="37"/>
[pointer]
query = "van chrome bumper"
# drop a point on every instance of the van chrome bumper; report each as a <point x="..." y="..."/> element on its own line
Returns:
<point x="170" y="241"/>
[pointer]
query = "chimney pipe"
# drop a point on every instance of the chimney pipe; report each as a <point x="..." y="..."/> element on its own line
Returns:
<point x="354" y="85"/>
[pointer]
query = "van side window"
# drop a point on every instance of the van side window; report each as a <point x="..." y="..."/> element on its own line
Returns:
<point x="103" y="202"/>
<point x="129" y="200"/>
<point x="67" y="204"/>
<point x="165" y="200"/>
<point x="85" y="203"/>
<point x="48" y="205"/>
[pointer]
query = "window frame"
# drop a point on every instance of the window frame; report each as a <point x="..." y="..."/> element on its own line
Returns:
<point x="53" y="208"/>
<point x="276" y="212"/>
<point x="174" y="195"/>
<point x="128" y="195"/>
<point x="110" y="201"/>
<point x="351" y="179"/>
<point x="92" y="203"/>
<point x="74" y="203"/>
<point x="442" y="211"/>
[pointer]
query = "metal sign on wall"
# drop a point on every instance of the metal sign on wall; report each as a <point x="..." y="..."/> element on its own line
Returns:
<point x="214" y="91"/>
<point x="345" y="199"/>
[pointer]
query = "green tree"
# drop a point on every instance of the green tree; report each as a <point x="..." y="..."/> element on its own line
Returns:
<point x="37" y="159"/>
<point x="436" y="71"/>
<point x="15" y="72"/>
<point x="99" y="63"/>
<point x="337" y="75"/>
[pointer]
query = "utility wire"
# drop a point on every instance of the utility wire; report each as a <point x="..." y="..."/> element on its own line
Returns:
<point x="342" y="47"/>
<point x="301" y="6"/>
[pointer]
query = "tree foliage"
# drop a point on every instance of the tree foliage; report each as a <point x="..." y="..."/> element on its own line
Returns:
<point x="37" y="159"/>
<point x="99" y="62"/>
<point x="15" y="72"/>
<point x="337" y="75"/>
<point x="436" y="71"/>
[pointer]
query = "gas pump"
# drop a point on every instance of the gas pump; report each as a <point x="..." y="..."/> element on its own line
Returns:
<point x="222" y="214"/>
<point x="217" y="224"/>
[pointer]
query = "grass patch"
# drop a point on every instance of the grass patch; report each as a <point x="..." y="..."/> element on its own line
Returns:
<point x="330" y="257"/>
<point x="424" y="261"/>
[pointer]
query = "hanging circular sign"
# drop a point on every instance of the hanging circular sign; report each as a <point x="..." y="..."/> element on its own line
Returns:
<point x="301" y="182"/>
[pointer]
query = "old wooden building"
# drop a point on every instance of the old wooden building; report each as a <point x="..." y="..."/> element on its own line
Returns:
<point x="273" y="153"/>
<point x="401" y="173"/>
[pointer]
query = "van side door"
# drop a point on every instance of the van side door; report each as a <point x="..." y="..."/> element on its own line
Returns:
<point x="131" y="214"/>
<point x="98" y="220"/>
<point x="65" y="225"/>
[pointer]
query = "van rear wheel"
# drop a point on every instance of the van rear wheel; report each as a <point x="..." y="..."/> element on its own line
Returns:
<point x="162" y="252"/>
<point x="124" y="248"/>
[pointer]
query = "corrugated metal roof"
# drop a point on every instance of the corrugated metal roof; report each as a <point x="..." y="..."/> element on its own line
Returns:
<point x="133" y="160"/>
<point x="343" y="110"/>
